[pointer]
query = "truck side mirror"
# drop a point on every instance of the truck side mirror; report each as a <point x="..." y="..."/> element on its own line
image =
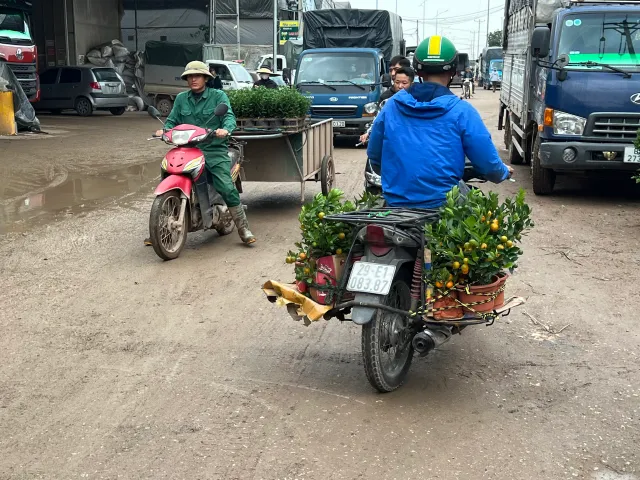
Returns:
<point x="385" y="80"/>
<point x="540" y="42"/>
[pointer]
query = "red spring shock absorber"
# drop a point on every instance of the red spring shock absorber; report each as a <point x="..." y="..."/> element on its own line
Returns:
<point x="416" y="282"/>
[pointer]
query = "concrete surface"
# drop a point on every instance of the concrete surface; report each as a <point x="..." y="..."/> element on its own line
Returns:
<point x="114" y="364"/>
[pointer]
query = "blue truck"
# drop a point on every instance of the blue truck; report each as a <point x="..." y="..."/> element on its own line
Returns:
<point x="489" y="58"/>
<point x="570" y="99"/>
<point x="344" y="66"/>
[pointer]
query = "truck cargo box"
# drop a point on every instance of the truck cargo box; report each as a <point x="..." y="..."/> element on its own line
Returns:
<point x="353" y="28"/>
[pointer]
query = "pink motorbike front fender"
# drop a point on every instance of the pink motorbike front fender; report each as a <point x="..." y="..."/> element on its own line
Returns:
<point x="175" y="182"/>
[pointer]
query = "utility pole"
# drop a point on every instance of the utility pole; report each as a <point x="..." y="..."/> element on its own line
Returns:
<point x="488" y="3"/>
<point x="274" y="65"/>
<point x="417" y="32"/>
<point x="437" y="15"/>
<point x="479" y="23"/>
<point x="212" y="21"/>
<point x="424" y="18"/>
<point x="238" y="26"/>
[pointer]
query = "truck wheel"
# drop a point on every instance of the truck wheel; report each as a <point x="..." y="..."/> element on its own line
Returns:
<point x="118" y="111"/>
<point x="544" y="179"/>
<point x="164" y="105"/>
<point x="512" y="152"/>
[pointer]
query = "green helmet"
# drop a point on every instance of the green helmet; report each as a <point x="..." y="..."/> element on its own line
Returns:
<point x="435" y="54"/>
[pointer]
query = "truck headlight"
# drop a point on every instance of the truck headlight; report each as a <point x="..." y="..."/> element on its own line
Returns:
<point x="567" y="124"/>
<point x="371" y="108"/>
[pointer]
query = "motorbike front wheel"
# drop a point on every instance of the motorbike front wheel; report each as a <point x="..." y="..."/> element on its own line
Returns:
<point x="386" y="341"/>
<point x="167" y="234"/>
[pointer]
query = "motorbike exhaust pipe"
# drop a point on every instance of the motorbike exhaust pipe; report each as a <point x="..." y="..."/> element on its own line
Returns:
<point x="430" y="339"/>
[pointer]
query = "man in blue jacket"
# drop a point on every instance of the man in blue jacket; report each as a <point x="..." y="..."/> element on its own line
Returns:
<point x="419" y="141"/>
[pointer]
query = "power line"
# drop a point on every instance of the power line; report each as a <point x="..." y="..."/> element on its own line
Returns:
<point x="459" y="18"/>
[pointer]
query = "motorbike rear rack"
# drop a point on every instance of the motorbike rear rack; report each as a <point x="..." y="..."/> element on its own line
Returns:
<point x="389" y="216"/>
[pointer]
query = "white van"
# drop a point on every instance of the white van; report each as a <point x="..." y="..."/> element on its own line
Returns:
<point x="233" y="75"/>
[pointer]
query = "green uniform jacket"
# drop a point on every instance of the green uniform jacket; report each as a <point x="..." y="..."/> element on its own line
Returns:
<point x="200" y="113"/>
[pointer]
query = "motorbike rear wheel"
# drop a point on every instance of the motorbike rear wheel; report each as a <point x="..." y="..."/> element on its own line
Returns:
<point x="386" y="341"/>
<point x="167" y="236"/>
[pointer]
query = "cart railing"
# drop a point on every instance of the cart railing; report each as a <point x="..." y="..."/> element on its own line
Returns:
<point x="317" y="144"/>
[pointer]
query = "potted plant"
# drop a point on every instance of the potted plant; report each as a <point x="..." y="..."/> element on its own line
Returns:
<point x="473" y="245"/>
<point x="322" y="252"/>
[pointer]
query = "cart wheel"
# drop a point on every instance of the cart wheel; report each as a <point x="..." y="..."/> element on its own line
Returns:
<point x="327" y="175"/>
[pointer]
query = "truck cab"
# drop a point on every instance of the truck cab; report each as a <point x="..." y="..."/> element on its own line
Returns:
<point x="17" y="47"/>
<point x="233" y="75"/>
<point x="582" y="102"/>
<point x="344" y="84"/>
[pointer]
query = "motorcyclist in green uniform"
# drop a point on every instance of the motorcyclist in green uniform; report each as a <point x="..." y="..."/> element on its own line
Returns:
<point x="196" y="107"/>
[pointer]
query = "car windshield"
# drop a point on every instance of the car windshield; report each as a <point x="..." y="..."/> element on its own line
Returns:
<point x="106" y="75"/>
<point x="337" y="68"/>
<point x="240" y="73"/>
<point x="497" y="64"/>
<point x="611" y="38"/>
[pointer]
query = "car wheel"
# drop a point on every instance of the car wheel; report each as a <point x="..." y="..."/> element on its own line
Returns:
<point x="117" y="111"/>
<point x="84" y="107"/>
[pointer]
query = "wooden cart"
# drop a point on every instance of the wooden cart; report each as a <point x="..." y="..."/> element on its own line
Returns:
<point x="306" y="155"/>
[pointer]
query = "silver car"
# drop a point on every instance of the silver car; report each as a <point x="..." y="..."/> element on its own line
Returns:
<point x="83" y="89"/>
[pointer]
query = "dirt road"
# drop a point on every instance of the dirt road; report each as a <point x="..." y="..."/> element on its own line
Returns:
<point x="114" y="364"/>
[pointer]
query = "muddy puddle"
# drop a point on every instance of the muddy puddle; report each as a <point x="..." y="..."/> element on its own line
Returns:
<point x="63" y="194"/>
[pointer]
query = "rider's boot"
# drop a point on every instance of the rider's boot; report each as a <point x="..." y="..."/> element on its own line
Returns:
<point x="242" y="224"/>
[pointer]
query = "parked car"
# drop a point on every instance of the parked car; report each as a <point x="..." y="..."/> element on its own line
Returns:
<point x="83" y="89"/>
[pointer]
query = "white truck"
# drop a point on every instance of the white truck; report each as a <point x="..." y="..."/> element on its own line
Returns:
<point x="165" y="62"/>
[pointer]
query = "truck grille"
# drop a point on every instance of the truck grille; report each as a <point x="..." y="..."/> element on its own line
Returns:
<point x="616" y="127"/>
<point x="334" y="110"/>
<point x="26" y="75"/>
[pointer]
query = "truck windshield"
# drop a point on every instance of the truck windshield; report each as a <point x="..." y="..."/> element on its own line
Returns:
<point x="608" y="38"/>
<point x="13" y="24"/>
<point x="337" y="68"/>
<point x="240" y="73"/>
<point x="497" y="64"/>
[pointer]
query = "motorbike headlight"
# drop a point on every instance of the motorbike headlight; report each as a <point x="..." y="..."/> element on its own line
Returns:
<point x="181" y="137"/>
<point x="567" y="124"/>
<point x="371" y="108"/>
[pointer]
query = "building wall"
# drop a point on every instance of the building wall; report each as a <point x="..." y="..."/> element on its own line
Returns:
<point x="96" y="22"/>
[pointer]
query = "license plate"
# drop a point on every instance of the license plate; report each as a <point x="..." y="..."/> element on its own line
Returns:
<point x="371" y="278"/>
<point x="631" y="155"/>
<point x="338" y="124"/>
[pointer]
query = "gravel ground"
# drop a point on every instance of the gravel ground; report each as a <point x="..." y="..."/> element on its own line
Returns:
<point x="114" y="364"/>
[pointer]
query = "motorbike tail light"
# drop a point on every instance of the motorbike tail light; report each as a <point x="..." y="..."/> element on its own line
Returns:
<point x="377" y="241"/>
<point x="95" y="86"/>
<point x="375" y="235"/>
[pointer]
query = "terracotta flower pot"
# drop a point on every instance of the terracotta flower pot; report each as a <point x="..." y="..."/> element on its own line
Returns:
<point x="484" y="294"/>
<point x="449" y="313"/>
<point x="500" y="298"/>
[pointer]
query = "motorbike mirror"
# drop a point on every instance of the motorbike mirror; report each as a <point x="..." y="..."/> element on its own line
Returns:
<point x="221" y="110"/>
<point x="153" y="112"/>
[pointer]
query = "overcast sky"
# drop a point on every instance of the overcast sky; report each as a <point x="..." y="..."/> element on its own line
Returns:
<point x="456" y="19"/>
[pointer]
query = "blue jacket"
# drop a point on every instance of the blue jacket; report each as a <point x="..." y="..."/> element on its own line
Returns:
<point x="420" y="140"/>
